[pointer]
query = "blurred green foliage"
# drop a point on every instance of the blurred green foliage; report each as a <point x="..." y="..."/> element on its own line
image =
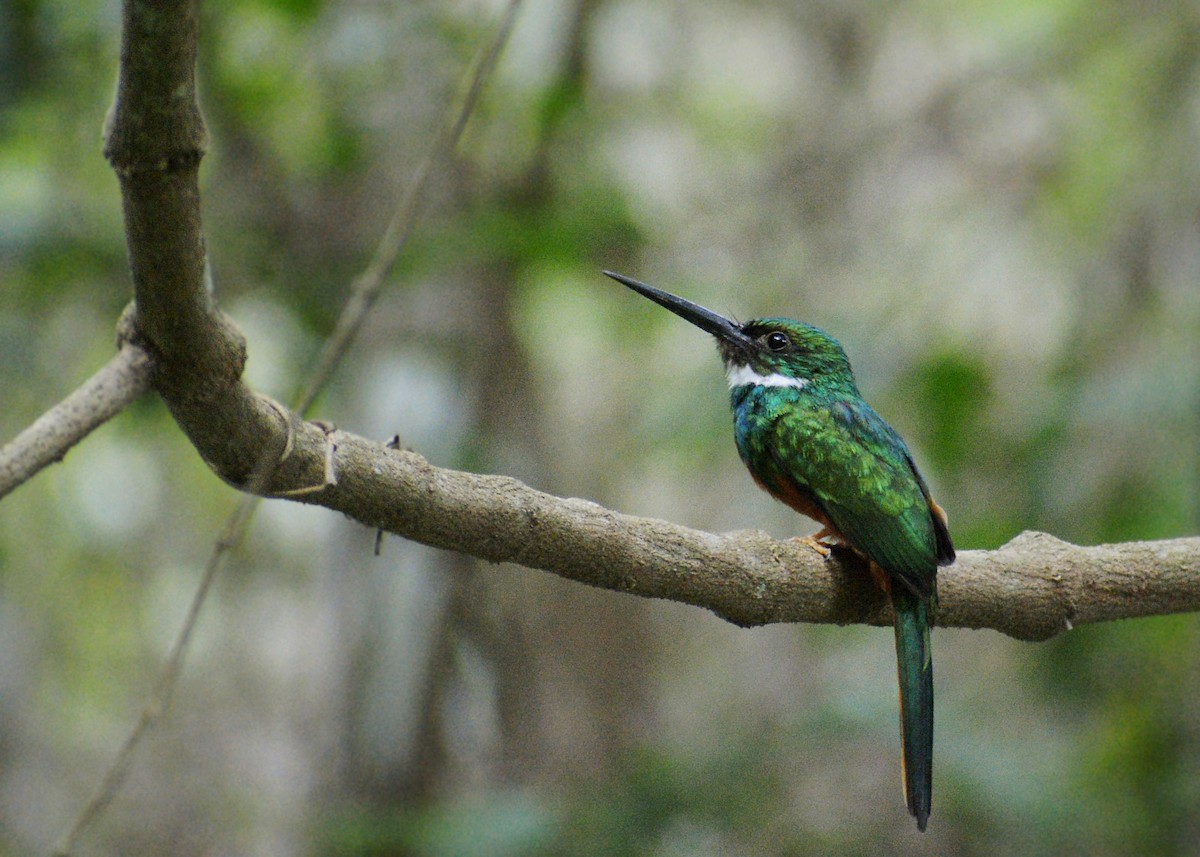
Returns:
<point x="992" y="205"/>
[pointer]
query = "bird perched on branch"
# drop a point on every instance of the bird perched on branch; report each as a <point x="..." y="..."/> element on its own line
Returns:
<point x="811" y="441"/>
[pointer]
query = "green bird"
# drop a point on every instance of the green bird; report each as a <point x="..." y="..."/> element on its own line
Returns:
<point x="808" y="438"/>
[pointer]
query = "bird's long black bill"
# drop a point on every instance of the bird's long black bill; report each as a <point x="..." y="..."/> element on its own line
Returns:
<point x="705" y="319"/>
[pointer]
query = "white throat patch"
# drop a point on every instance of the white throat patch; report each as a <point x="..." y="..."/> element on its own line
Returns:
<point x="743" y="376"/>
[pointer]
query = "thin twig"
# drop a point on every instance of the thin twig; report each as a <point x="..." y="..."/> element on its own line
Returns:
<point x="164" y="689"/>
<point x="364" y="292"/>
<point x="367" y="286"/>
<point x="52" y="435"/>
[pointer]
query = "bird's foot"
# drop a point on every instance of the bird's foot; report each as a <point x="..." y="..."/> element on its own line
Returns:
<point x="822" y="542"/>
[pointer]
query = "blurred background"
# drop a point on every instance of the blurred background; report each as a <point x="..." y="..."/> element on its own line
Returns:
<point x="995" y="207"/>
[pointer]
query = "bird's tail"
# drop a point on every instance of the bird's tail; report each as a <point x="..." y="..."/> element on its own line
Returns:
<point x="915" y="668"/>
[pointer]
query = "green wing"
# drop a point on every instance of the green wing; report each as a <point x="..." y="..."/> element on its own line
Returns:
<point x="860" y="472"/>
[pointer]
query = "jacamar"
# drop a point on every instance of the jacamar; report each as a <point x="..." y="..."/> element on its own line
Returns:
<point x="809" y="439"/>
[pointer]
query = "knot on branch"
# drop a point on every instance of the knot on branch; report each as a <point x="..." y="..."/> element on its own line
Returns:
<point x="148" y="133"/>
<point x="1043" y="563"/>
<point x="129" y="164"/>
<point x="127" y="332"/>
<point x="194" y="375"/>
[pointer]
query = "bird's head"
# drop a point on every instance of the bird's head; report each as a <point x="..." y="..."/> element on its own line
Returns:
<point x="770" y="352"/>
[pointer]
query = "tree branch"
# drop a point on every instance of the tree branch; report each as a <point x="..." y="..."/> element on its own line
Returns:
<point x="155" y="139"/>
<point x="1033" y="588"/>
<point x="50" y="437"/>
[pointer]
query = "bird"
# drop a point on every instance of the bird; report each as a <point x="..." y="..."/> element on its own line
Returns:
<point x="810" y="440"/>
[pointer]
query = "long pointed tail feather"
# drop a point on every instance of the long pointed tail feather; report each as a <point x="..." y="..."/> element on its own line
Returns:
<point x="914" y="666"/>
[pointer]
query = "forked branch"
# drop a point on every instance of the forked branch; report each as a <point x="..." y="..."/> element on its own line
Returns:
<point x="1033" y="588"/>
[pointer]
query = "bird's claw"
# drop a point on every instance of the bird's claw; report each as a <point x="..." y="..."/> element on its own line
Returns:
<point x="814" y="542"/>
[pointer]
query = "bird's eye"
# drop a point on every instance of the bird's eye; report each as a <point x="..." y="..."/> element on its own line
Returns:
<point x="778" y="341"/>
